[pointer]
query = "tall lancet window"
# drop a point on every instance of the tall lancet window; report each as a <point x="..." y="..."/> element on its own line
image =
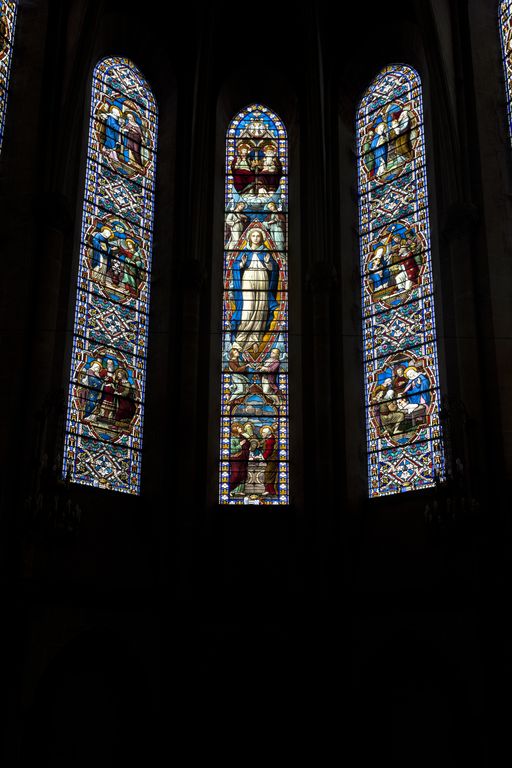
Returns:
<point x="7" y="26"/>
<point x="103" y="445"/>
<point x="254" y="409"/>
<point x="404" y="445"/>
<point x="505" y="14"/>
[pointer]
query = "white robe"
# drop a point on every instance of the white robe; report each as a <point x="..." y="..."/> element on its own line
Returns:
<point x="255" y="284"/>
<point x="236" y="224"/>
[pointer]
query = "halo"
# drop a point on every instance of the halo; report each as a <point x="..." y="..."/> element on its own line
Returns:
<point x="256" y="229"/>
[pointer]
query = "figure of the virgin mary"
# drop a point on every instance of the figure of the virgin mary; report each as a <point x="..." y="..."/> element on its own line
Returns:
<point x="255" y="281"/>
<point x="380" y="149"/>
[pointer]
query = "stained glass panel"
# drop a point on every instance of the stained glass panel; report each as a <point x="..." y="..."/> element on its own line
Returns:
<point x="254" y="380"/>
<point x="7" y="26"/>
<point x="505" y="14"/>
<point x="108" y="369"/>
<point x="405" y="450"/>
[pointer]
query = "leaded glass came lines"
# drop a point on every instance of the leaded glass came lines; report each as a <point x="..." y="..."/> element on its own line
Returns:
<point x="103" y="446"/>
<point x="7" y="27"/>
<point x="254" y="381"/>
<point x="404" y="443"/>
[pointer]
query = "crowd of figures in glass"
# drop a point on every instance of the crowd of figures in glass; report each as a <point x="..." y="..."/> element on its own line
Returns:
<point x="106" y="396"/>
<point x="254" y="429"/>
<point x="506" y="46"/>
<point x="400" y="358"/>
<point x="7" y="25"/>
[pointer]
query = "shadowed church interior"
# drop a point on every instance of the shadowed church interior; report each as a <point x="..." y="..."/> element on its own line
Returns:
<point x="256" y="318"/>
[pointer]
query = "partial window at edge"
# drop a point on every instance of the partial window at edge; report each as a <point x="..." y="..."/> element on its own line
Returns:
<point x="7" y="27"/>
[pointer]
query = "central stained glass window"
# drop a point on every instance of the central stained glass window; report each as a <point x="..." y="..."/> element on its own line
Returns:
<point x="404" y="444"/>
<point x="254" y="408"/>
<point x="103" y="445"/>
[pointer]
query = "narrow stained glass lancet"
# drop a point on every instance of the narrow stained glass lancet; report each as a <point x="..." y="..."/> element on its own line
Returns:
<point x="7" y="26"/>
<point x="106" y="394"/>
<point x="404" y="443"/>
<point x="505" y="18"/>
<point x="254" y="408"/>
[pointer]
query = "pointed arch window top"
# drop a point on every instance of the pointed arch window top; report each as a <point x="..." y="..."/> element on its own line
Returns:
<point x="403" y="429"/>
<point x="393" y="83"/>
<point x="122" y="76"/>
<point x="257" y="121"/>
<point x="103" y="445"/>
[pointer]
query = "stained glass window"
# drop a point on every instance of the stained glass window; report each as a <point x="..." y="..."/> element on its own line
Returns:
<point x="506" y="46"/>
<point x="106" y="393"/>
<point x="7" y="25"/>
<point x="404" y="445"/>
<point x="254" y="408"/>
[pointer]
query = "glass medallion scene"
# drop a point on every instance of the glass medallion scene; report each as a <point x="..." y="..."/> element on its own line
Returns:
<point x="254" y="380"/>
<point x="404" y="444"/>
<point x="103" y="443"/>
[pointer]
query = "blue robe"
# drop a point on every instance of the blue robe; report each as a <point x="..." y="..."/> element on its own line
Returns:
<point x="380" y="153"/>
<point x="380" y="278"/>
<point x="112" y="132"/>
<point x="98" y="254"/>
<point x="238" y="294"/>
<point x="420" y="386"/>
<point x="94" y="386"/>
